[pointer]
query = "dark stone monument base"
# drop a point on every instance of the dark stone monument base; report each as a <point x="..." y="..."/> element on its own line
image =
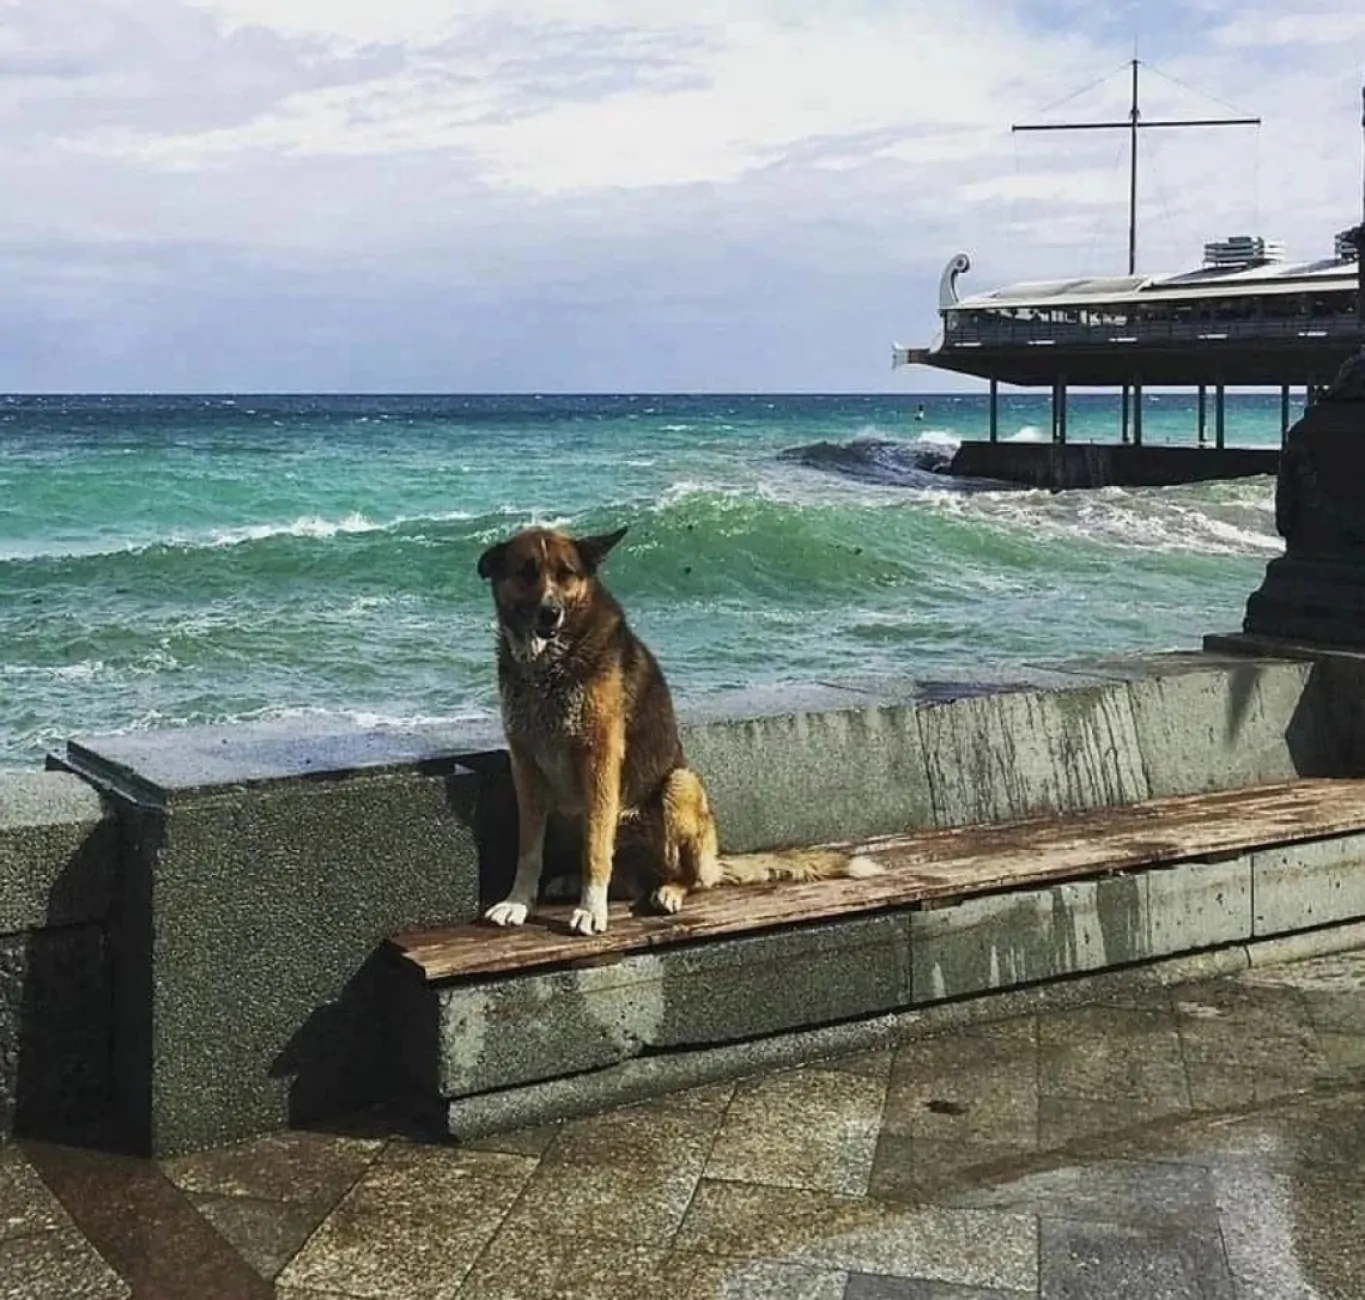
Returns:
<point x="1320" y="601"/>
<point x="1315" y="592"/>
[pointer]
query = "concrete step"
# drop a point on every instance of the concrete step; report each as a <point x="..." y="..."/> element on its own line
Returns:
<point x="496" y="1027"/>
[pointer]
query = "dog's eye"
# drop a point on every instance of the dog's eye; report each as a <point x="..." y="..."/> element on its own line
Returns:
<point x="527" y="573"/>
<point x="563" y="574"/>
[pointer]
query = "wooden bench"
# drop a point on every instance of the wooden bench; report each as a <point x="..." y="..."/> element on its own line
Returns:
<point x="922" y="868"/>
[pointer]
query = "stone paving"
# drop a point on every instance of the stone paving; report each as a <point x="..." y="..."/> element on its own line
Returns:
<point x="1123" y="1139"/>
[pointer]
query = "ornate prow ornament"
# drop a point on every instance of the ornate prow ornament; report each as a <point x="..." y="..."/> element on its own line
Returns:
<point x="958" y="264"/>
<point x="901" y="355"/>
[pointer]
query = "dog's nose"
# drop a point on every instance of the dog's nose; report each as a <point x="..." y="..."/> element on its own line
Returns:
<point x="548" y="618"/>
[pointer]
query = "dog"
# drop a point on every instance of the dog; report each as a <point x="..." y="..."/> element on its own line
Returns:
<point x="592" y="735"/>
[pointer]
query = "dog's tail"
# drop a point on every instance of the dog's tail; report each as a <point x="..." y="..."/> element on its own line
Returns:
<point x="796" y="865"/>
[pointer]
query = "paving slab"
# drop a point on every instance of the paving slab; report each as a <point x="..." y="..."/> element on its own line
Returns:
<point x="413" y="1226"/>
<point x="26" y="1205"/>
<point x="1087" y="1260"/>
<point x="809" y="1128"/>
<point x="264" y="1233"/>
<point x="290" y="1166"/>
<point x="977" y="1085"/>
<point x="869" y="1286"/>
<point x="1051" y="1152"/>
<point x="56" y="1266"/>
<point x="1112" y="1053"/>
<point x="1140" y="1193"/>
<point x="973" y="1247"/>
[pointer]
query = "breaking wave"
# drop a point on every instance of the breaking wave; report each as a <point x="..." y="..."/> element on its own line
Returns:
<point x="870" y="458"/>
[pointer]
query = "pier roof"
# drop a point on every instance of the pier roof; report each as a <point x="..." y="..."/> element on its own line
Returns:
<point x="1208" y="282"/>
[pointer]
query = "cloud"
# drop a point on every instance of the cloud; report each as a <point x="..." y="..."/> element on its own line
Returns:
<point x="776" y="183"/>
<point x="1321" y="24"/>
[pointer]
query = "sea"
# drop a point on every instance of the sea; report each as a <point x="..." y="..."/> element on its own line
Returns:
<point x="173" y="560"/>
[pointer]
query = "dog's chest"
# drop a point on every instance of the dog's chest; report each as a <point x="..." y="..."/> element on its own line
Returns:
<point x="544" y="713"/>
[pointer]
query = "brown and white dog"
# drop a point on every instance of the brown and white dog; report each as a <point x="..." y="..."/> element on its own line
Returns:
<point x="592" y="735"/>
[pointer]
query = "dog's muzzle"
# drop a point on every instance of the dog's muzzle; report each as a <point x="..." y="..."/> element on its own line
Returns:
<point x="549" y="618"/>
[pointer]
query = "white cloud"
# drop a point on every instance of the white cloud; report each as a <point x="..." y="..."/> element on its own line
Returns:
<point x="563" y="107"/>
<point x="428" y="22"/>
<point x="1304" y="27"/>
<point x="643" y="158"/>
<point x="352" y="22"/>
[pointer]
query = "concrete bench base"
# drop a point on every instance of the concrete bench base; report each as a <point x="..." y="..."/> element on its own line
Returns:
<point x="605" y="1029"/>
<point x="640" y="1078"/>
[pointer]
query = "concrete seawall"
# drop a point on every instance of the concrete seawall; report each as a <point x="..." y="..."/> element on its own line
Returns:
<point x="207" y="906"/>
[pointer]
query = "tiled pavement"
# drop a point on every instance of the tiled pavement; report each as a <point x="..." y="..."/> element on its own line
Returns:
<point x="1152" y="1143"/>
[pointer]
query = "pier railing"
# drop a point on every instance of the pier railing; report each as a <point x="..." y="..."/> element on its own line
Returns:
<point x="977" y="331"/>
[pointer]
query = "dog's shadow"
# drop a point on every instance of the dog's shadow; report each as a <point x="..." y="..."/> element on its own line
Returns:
<point x="634" y="874"/>
<point x="560" y="893"/>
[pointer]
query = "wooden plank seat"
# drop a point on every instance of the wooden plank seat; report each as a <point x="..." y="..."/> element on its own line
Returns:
<point x="922" y="868"/>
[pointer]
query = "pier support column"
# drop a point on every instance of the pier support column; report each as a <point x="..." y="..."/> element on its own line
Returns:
<point x="1059" y="410"/>
<point x="1123" y="419"/>
<point x="1203" y="414"/>
<point x="1284" y="413"/>
<point x="1220" y="417"/>
<point x="1137" y="415"/>
<point x="995" y="409"/>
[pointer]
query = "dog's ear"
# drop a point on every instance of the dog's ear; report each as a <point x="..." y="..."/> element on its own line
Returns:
<point x="491" y="561"/>
<point x="593" y="550"/>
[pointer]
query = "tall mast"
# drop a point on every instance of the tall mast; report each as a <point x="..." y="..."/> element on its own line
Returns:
<point x="1360" y="231"/>
<point x="1133" y="125"/>
<point x="1133" y="116"/>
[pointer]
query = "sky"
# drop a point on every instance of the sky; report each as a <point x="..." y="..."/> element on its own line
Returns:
<point x="595" y="195"/>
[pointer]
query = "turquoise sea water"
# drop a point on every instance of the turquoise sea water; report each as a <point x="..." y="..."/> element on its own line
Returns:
<point x="174" y="560"/>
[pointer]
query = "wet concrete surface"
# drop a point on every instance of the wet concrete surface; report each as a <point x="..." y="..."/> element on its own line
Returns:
<point x="1159" y="1142"/>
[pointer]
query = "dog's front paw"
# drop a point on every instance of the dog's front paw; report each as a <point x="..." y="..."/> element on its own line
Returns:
<point x="508" y="912"/>
<point x="668" y="898"/>
<point x="589" y="920"/>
